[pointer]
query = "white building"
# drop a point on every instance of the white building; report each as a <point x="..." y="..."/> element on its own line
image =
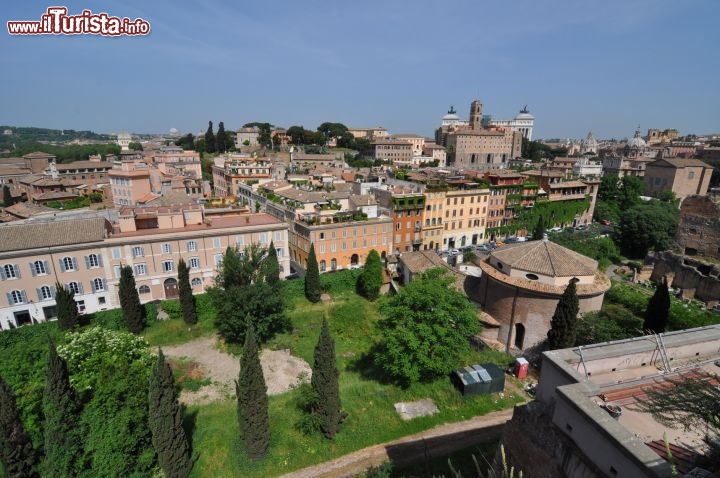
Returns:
<point x="523" y="122"/>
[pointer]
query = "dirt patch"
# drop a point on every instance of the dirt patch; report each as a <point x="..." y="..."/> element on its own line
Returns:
<point x="282" y="371"/>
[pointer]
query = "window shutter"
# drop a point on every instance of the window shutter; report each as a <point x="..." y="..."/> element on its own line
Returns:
<point x="39" y="293"/>
<point x="62" y="265"/>
<point x="99" y="258"/>
<point x="2" y="273"/>
<point x="74" y="261"/>
<point x="104" y="283"/>
<point x="46" y="266"/>
<point x="9" y="298"/>
<point x="87" y="262"/>
<point x="80" y="287"/>
<point x="23" y="296"/>
<point x="52" y="291"/>
<point x="17" y="270"/>
<point x="92" y="285"/>
<point x="32" y="269"/>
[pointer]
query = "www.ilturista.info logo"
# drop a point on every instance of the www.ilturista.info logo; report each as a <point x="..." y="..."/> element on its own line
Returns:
<point x="57" y="22"/>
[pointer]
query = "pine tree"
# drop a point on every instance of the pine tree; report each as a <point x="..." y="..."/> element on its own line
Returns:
<point x="63" y="443"/>
<point x="17" y="455"/>
<point x="312" y="277"/>
<point x="165" y="417"/>
<point x="221" y="138"/>
<point x="658" y="309"/>
<point x="67" y="311"/>
<point x="209" y="139"/>
<point x="271" y="266"/>
<point x="371" y="279"/>
<point x="325" y="383"/>
<point x="187" y="300"/>
<point x="7" y="197"/>
<point x="252" y="400"/>
<point x="563" y="325"/>
<point x="133" y="310"/>
<point x="539" y="231"/>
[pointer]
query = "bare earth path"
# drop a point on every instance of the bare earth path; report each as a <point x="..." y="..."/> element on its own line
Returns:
<point x="280" y="368"/>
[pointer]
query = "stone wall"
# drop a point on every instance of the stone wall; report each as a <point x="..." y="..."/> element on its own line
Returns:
<point x="699" y="227"/>
<point x="697" y="278"/>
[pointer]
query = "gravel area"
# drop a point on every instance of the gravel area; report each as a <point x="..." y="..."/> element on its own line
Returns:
<point x="282" y="371"/>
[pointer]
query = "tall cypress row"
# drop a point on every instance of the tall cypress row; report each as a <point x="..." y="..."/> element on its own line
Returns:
<point x="563" y="325"/>
<point x="63" y="442"/>
<point x="271" y="266"/>
<point x="325" y="383"/>
<point x="133" y="310"/>
<point x="312" y="277"/>
<point x="165" y="418"/>
<point x="19" y="458"/>
<point x="187" y="300"/>
<point x="252" y="400"/>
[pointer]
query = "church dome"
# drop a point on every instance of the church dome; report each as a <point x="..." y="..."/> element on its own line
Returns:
<point x="637" y="141"/>
<point x="451" y="115"/>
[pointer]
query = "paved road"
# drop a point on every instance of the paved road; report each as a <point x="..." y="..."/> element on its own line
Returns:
<point x="439" y="441"/>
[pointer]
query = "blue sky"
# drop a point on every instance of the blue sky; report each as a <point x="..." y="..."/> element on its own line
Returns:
<point x="605" y="66"/>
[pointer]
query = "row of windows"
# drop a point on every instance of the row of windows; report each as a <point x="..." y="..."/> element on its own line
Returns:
<point x="333" y="246"/>
<point x="41" y="268"/>
<point x="473" y="223"/>
<point x="192" y="246"/>
<point x="169" y="266"/>
<point x="194" y="282"/>
<point x="323" y="235"/>
<point x="47" y="292"/>
<point x="462" y="201"/>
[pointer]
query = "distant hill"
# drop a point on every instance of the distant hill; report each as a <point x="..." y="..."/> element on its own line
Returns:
<point x="67" y="145"/>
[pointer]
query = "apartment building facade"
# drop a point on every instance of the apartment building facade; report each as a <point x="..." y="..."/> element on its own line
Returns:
<point x="85" y="256"/>
<point x="465" y="216"/>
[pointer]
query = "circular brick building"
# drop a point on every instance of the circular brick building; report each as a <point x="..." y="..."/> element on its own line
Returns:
<point x="522" y="283"/>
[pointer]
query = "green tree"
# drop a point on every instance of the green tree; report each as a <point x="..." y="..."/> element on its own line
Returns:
<point x="325" y="383"/>
<point x="63" y="441"/>
<point x="539" y="231"/>
<point x="332" y="130"/>
<point x="187" y="299"/>
<point x="133" y="311"/>
<point x="165" y="417"/>
<point x="252" y="401"/>
<point x="631" y="188"/>
<point x="425" y="328"/>
<point x="658" y="309"/>
<point x="271" y="266"/>
<point x="242" y="291"/>
<point x="221" y="139"/>
<point x="312" y="277"/>
<point x="7" y="197"/>
<point x="67" y="311"/>
<point x="18" y="457"/>
<point x="649" y="226"/>
<point x="110" y="370"/>
<point x="609" y="189"/>
<point x="186" y="142"/>
<point x="563" y="325"/>
<point x="135" y="146"/>
<point x="209" y="139"/>
<point x="371" y="279"/>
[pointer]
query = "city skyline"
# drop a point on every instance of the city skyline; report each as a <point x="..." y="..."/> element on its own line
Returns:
<point x="605" y="68"/>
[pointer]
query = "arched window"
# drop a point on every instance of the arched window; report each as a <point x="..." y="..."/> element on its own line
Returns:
<point x="93" y="261"/>
<point x="196" y="282"/>
<point x="98" y="284"/>
<point x="144" y="289"/>
<point x="68" y="263"/>
<point x="39" y="267"/>
<point x="333" y="264"/>
<point x="17" y="297"/>
<point x="45" y="293"/>
<point x="322" y="265"/>
<point x="74" y="287"/>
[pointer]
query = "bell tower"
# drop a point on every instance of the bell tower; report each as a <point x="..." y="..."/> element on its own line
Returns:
<point x="476" y="115"/>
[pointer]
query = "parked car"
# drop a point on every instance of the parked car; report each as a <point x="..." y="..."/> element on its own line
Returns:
<point x="555" y="229"/>
<point x="454" y="252"/>
<point x="606" y="222"/>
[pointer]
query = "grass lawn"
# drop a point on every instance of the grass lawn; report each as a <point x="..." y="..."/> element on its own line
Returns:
<point x="372" y="418"/>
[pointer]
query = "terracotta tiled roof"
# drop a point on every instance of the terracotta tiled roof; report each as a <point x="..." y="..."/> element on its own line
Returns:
<point x="546" y="258"/>
<point x="679" y="163"/>
<point x="34" y="235"/>
<point x="419" y="261"/>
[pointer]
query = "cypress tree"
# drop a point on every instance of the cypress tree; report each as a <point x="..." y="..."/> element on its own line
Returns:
<point x="221" y="138"/>
<point x="539" y="231"/>
<point x="563" y="325"/>
<point x="67" y="311"/>
<point x="325" y="383"/>
<point x="252" y="400"/>
<point x="63" y="442"/>
<point x="165" y="417"/>
<point x="133" y="310"/>
<point x="19" y="458"/>
<point x="209" y="139"/>
<point x="187" y="300"/>
<point x="370" y="281"/>
<point x="658" y="309"/>
<point x="271" y="266"/>
<point x="312" y="277"/>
